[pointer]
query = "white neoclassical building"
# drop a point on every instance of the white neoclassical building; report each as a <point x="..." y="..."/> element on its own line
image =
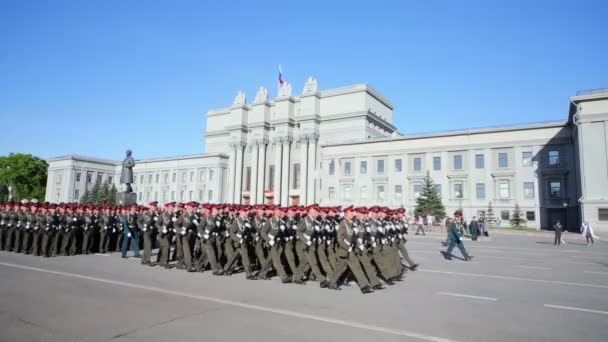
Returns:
<point x="339" y="147"/>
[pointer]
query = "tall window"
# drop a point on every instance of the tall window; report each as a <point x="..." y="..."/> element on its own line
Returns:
<point x="77" y="194"/>
<point x="528" y="190"/>
<point x="99" y="178"/>
<point x="271" y="177"/>
<point x="530" y="216"/>
<point x="458" y="190"/>
<point x="363" y="167"/>
<point x="201" y="193"/>
<point x="458" y="162"/>
<point x="202" y="176"/>
<point x="157" y="178"/>
<point x="190" y="195"/>
<point x="479" y="161"/>
<point x="556" y="189"/>
<point x="149" y="179"/>
<point x="332" y="193"/>
<point x="147" y="196"/>
<point x="248" y="178"/>
<point x="380" y="166"/>
<point x="110" y="179"/>
<point x="164" y="196"/>
<point x="90" y="177"/>
<point x="210" y="196"/>
<point x="380" y="193"/>
<point x="347" y="169"/>
<point x="504" y="190"/>
<point x="296" y="176"/>
<point x="436" y="163"/>
<point x="398" y="165"/>
<point x="166" y="178"/>
<point x="173" y="178"/>
<point x="141" y="179"/>
<point x="173" y="195"/>
<point x="332" y="167"/>
<point x="503" y="160"/>
<point x="347" y="192"/>
<point x="417" y="190"/>
<point x="504" y="215"/>
<point x="211" y="175"/>
<point x="78" y="177"/>
<point x="140" y="196"/>
<point x="181" y="196"/>
<point x="526" y="158"/>
<point x="156" y="195"/>
<point x="480" y="190"/>
<point x="192" y="176"/>
<point x="417" y="164"/>
<point x="553" y="158"/>
<point x="398" y="193"/>
<point x="183" y="177"/>
<point x="363" y="192"/>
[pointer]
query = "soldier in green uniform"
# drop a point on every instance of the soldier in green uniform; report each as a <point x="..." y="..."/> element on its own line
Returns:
<point x="60" y="231"/>
<point x="276" y="228"/>
<point x="20" y="228"/>
<point x="347" y="241"/>
<point x="76" y="229"/>
<point x="4" y="227"/>
<point x="39" y="229"/>
<point x="167" y="218"/>
<point x="364" y="247"/>
<point x="50" y="227"/>
<point x="242" y="233"/>
<point x="91" y="222"/>
<point x="149" y="221"/>
<point x="188" y="228"/>
<point x="105" y="228"/>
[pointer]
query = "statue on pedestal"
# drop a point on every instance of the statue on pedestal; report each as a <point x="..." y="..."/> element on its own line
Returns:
<point x="126" y="175"/>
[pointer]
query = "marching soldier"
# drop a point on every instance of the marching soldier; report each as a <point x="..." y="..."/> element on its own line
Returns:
<point x="167" y="218"/>
<point x="91" y="219"/>
<point x="4" y="212"/>
<point x="38" y="229"/>
<point x="149" y="221"/>
<point x="189" y="224"/>
<point x="50" y="226"/>
<point x="60" y="231"/>
<point x="243" y="234"/>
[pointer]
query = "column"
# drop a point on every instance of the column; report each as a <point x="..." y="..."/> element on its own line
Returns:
<point x="238" y="182"/>
<point x="278" y="154"/>
<point x="285" y="171"/>
<point x="304" y="170"/>
<point x="253" y="191"/>
<point x="261" y="173"/>
<point x="232" y="173"/>
<point x="312" y="168"/>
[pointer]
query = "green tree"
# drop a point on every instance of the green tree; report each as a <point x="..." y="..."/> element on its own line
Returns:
<point x="26" y="174"/>
<point x="104" y="194"/>
<point x="112" y="195"/>
<point x="517" y="220"/>
<point x="490" y="218"/>
<point x="94" y="195"/>
<point x="429" y="200"/>
<point x="85" y="197"/>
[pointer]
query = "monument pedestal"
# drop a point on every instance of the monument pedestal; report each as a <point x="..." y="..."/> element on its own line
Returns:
<point x="126" y="198"/>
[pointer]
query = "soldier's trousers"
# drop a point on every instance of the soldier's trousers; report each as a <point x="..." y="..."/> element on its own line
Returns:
<point x="8" y="239"/>
<point x="350" y="262"/>
<point x="228" y="248"/>
<point x="393" y="253"/>
<point x="36" y="237"/>
<point x="65" y="242"/>
<point x="3" y="232"/>
<point x="264" y="261"/>
<point x="45" y="244"/>
<point x="86" y="241"/>
<point x="119" y="237"/>
<point x="275" y="256"/>
<point x="288" y="248"/>
<point x="74" y="242"/>
<point x="178" y="253"/>
<point x="104" y="240"/>
<point x="210" y="255"/>
<point x="187" y="241"/>
<point x="165" y="249"/>
<point x="242" y="251"/>
<point x="331" y="255"/>
<point x="302" y="260"/>
<point x="380" y="258"/>
<point x="405" y="254"/>
<point x="311" y="259"/>
<point x="147" y="247"/>
<point x="369" y="269"/>
<point x="26" y="241"/>
<point x="56" y="243"/>
<point x="323" y="259"/>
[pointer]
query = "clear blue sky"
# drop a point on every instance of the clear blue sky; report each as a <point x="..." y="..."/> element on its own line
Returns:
<point x="97" y="77"/>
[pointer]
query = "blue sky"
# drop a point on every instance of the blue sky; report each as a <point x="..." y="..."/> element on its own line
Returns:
<point x="97" y="77"/>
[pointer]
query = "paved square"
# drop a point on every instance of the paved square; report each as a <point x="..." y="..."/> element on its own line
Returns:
<point x="518" y="288"/>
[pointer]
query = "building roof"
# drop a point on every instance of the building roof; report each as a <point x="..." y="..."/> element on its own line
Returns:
<point x="466" y="131"/>
<point x="114" y="162"/>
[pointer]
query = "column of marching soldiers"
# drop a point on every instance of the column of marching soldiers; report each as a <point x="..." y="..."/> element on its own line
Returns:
<point x="326" y="244"/>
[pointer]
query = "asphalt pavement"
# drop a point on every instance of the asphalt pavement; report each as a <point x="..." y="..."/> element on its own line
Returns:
<point x="519" y="287"/>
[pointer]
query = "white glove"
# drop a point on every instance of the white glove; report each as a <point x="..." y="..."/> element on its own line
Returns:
<point x="328" y="242"/>
<point x="74" y="219"/>
<point x="145" y="229"/>
<point x="381" y="230"/>
<point x="86" y="227"/>
<point x="271" y="242"/>
<point x="164" y="230"/>
<point x="155" y="218"/>
<point x="173" y="219"/>
<point x="195" y="221"/>
<point x="217" y="223"/>
<point x="374" y="244"/>
<point x="361" y="247"/>
<point x="113" y="230"/>
<point x="241" y="241"/>
<point x="183" y="232"/>
<point x="294" y="227"/>
<point x="206" y="236"/>
<point x="227" y="234"/>
<point x="360" y="240"/>
<point x="356" y="230"/>
<point x="317" y="227"/>
<point x="308" y="243"/>
<point x="282" y="227"/>
<point x="247" y="225"/>
<point x="128" y="234"/>
<point x="350" y="249"/>
<point x="47" y="228"/>
<point x="368" y="229"/>
<point x="199" y="235"/>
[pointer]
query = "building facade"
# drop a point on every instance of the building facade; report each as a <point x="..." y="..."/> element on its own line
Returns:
<point x="340" y="147"/>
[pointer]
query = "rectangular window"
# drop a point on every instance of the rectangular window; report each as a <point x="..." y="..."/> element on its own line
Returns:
<point x="156" y="195"/>
<point x="157" y="178"/>
<point x="526" y="158"/>
<point x="271" y="177"/>
<point x="191" y="176"/>
<point x="90" y="177"/>
<point x="553" y="158"/>
<point x="332" y="167"/>
<point x="380" y="166"/>
<point x="173" y="195"/>
<point x="504" y="215"/>
<point x="556" y="189"/>
<point x="173" y="178"/>
<point x="417" y="190"/>
<point x="248" y="178"/>
<point x="480" y="190"/>
<point x="503" y="160"/>
<point x="110" y="180"/>
<point x="602" y="214"/>
<point x="363" y="167"/>
<point x="201" y="193"/>
<point x="183" y="177"/>
<point x="417" y="164"/>
<point x="149" y="179"/>
<point x="347" y="169"/>
<point x="479" y="161"/>
<point x="99" y="178"/>
<point x="78" y="177"/>
<point x="458" y="162"/>
<point x="332" y="193"/>
<point x="528" y="190"/>
<point x="210" y="196"/>
<point x="296" y="176"/>
<point x="77" y="194"/>
<point x="398" y="163"/>
<point x="530" y="216"/>
<point x="166" y="178"/>
<point x="141" y="179"/>
<point x="181" y="196"/>
<point x="164" y="196"/>
<point x="140" y="195"/>
<point x="398" y="193"/>
<point x="202" y="176"/>
<point x="436" y="163"/>
<point x="363" y="192"/>
<point x="503" y="190"/>
<point x="210" y="175"/>
<point x="147" y="196"/>
<point x="380" y="193"/>
<point x="347" y="191"/>
<point x="458" y="190"/>
<point x="190" y="195"/>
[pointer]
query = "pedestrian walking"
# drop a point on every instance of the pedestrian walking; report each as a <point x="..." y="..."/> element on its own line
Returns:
<point x="557" y="227"/>
<point x="587" y="232"/>
<point x="455" y="240"/>
<point x="419" y="224"/>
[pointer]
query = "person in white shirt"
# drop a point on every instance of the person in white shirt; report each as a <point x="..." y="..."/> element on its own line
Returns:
<point x="419" y="221"/>
<point x="429" y="221"/>
<point x="587" y="232"/>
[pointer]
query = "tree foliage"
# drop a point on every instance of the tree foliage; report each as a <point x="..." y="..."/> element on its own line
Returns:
<point x="429" y="200"/>
<point x="517" y="219"/>
<point x="94" y="194"/>
<point x="85" y="197"/>
<point x="26" y="174"/>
